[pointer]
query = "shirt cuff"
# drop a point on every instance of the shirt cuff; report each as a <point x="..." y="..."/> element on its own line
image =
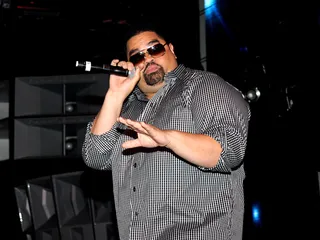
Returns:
<point x="104" y="142"/>
<point x="221" y="166"/>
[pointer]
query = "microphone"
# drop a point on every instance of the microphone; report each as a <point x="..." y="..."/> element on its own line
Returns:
<point x="105" y="68"/>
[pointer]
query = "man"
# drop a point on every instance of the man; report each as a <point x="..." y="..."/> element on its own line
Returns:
<point x="175" y="139"/>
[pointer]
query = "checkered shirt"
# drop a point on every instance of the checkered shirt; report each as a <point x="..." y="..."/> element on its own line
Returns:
<point x="157" y="194"/>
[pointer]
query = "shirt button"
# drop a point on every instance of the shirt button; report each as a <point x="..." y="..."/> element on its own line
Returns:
<point x="134" y="189"/>
<point x="135" y="165"/>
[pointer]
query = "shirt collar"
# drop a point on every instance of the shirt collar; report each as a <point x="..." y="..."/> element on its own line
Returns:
<point x="175" y="73"/>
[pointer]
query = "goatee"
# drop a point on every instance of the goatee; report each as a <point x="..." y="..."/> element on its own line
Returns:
<point x="154" y="77"/>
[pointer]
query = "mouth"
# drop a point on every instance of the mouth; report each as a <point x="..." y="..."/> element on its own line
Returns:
<point x="151" y="68"/>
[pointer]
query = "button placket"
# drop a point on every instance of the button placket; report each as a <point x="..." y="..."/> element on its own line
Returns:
<point x="135" y="182"/>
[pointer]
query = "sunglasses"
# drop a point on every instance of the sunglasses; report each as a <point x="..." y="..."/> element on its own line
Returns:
<point x="154" y="51"/>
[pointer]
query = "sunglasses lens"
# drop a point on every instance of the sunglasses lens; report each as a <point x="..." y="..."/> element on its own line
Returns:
<point x="137" y="58"/>
<point x="156" y="50"/>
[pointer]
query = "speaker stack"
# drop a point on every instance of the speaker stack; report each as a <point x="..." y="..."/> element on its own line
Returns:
<point x="51" y="113"/>
<point x="41" y="135"/>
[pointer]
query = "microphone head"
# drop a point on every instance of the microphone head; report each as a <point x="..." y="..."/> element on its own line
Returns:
<point x="132" y="73"/>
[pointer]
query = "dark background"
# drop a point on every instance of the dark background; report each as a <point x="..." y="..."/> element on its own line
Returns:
<point x="269" y="45"/>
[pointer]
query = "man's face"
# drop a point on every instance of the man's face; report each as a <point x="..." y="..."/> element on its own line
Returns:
<point x="153" y="55"/>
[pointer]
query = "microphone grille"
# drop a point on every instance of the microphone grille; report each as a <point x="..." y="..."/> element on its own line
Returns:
<point x="132" y="73"/>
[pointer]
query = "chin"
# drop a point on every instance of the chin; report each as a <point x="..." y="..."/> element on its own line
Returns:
<point x="154" y="78"/>
<point x="153" y="82"/>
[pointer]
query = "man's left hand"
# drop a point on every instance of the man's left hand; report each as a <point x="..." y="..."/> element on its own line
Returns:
<point x="149" y="136"/>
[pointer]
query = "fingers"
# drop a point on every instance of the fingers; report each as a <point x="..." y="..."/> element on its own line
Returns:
<point x="115" y="62"/>
<point x="134" y="72"/>
<point x="148" y="128"/>
<point x="123" y="64"/>
<point x="135" y="126"/>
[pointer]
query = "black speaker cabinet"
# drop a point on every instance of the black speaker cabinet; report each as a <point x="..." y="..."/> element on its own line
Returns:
<point x="73" y="207"/>
<point x="43" y="209"/>
<point x="59" y="95"/>
<point x="66" y="206"/>
<point x="24" y="212"/>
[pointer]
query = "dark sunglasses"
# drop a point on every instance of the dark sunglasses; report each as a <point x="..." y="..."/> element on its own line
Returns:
<point x="154" y="51"/>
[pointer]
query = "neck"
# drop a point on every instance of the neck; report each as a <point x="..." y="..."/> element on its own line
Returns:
<point x="149" y="95"/>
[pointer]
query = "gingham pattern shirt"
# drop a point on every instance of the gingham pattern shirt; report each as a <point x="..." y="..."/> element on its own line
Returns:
<point x="159" y="196"/>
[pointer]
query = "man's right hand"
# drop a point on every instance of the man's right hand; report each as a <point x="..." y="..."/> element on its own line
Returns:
<point x="120" y="86"/>
<point x="119" y="89"/>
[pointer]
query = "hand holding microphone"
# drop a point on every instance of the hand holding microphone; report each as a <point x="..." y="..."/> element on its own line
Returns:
<point x="123" y="86"/>
<point x="123" y="75"/>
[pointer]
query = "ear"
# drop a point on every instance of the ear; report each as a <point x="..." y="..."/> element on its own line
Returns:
<point x="172" y="49"/>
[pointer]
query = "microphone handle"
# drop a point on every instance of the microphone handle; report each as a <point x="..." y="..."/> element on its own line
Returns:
<point x="106" y="68"/>
<point x="115" y="70"/>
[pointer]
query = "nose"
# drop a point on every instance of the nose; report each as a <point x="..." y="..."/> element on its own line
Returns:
<point x="147" y="57"/>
